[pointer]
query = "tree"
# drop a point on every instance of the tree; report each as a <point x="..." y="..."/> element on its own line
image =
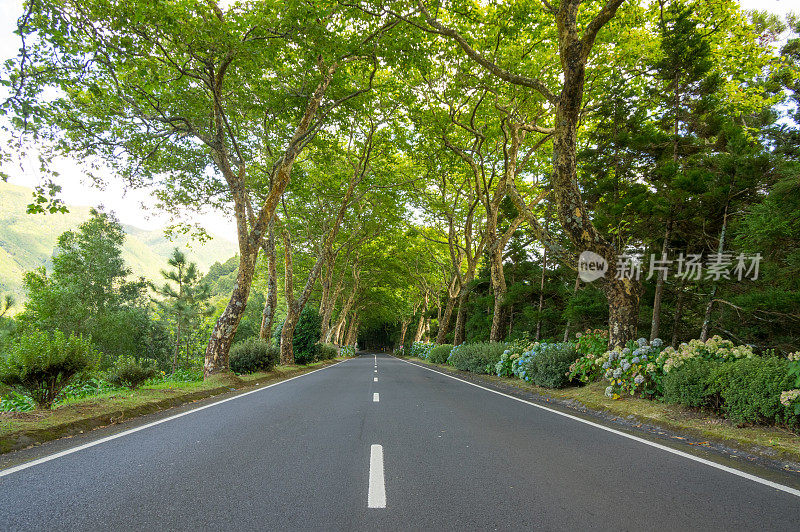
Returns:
<point x="180" y="90"/>
<point x="89" y="291"/>
<point x="187" y="304"/>
<point x="573" y="48"/>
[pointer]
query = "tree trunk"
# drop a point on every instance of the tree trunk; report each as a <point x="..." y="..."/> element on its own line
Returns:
<point x="444" y="324"/>
<point x="287" y="336"/>
<point x="352" y="331"/>
<point x="294" y="305"/>
<point x="329" y="293"/>
<point x="421" y="324"/>
<point x="710" y="306"/>
<point x="461" y="317"/>
<point x="541" y="297"/>
<point x="676" y="320"/>
<point x="623" y="301"/>
<point x="499" y="289"/>
<point x="216" y="358"/>
<point x="655" y="325"/>
<point x="574" y="291"/>
<point x="327" y="313"/>
<point x="343" y="314"/>
<point x="268" y="316"/>
<point x="403" y="330"/>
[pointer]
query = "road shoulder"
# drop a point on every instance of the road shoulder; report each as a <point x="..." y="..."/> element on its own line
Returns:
<point x="740" y="453"/>
<point x="90" y="416"/>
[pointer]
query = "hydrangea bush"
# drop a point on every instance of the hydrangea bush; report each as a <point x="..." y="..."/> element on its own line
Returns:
<point x="590" y="346"/>
<point x="503" y="368"/>
<point x="792" y="397"/>
<point x="545" y="364"/>
<point x="640" y="367"/>
<point x="591" y="342"/>
<point x="513" y="351"/>
<point x="348" y="351"/>
<point x="715" y="348"/>
<point x="421" y="349"/>
<point x="633" y="369"/>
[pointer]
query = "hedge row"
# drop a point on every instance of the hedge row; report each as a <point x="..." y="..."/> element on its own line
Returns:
<point x="716" y="375"/>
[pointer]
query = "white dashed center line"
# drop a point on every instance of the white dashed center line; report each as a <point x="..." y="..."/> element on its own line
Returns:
<point x="376" y="397"/>
<point x="377" y="486"/>
<point x="374" y="379"/>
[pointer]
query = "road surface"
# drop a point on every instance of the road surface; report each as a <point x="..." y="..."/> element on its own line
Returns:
<point x="379" y="443"/>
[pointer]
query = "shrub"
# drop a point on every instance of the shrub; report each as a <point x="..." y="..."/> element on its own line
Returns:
<point x="688" y="385"/>
<point x="546" y="364"/>
<point x="440" y="353"/>
<point x="421" y="349"/>
<point x="514" y="350"/>
<point x="479" y="357"/>
<point x="131" y="372"/>
<point x="400" y="351"/>
<point x="347" y="351"/>
<point x="751" y="390"/>
<point x="41" y="364"/>
<point x="325" y="351"/>
<point x="636" y="368"/>
<point x="253" y="354"/>
<point x="715" y="348"/>
<point x="306" y="335"/>
<point x="591" y="342"/>
<point x="504" y="366"/>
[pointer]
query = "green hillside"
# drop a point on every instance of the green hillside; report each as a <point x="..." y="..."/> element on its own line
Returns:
<point x="27" y="241"/>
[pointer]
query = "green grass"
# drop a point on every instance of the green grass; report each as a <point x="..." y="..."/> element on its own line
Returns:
<point x="773" y="441"/>
<point x="73" y="416"/>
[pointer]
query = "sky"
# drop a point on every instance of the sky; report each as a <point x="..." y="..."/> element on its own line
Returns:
<point x="131" y="206"/>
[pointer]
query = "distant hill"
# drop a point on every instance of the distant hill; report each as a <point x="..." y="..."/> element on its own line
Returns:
<point x="27" y="242"/>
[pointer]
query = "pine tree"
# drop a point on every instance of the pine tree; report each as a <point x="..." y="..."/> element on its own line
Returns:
<point x="186" y="302"/>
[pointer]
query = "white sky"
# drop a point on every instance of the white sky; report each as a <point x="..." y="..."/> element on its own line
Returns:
<point x="130" y="206"/>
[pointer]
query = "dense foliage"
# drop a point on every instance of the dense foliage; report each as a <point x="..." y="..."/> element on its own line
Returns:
<point x="42" y="364"/>
<point x="131" y="372"/>
<point x="252" y="355"/>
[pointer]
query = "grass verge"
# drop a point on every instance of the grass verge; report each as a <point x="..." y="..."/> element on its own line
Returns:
<point x="768" y="441"/>
<point x="19" y="430"/>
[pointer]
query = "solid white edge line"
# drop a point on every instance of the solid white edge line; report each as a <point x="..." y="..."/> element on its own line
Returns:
<point x="376" y="497"/>
<point x="376" y="397"/>
<point x="47" y="458"/>
<point x="731" y="470"/>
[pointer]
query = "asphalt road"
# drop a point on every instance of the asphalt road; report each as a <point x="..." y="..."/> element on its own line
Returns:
<point x="305" y="454"/>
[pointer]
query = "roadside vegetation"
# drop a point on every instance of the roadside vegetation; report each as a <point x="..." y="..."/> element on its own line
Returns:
<point x="715" y="379"/>
<point x="88" y="333"/>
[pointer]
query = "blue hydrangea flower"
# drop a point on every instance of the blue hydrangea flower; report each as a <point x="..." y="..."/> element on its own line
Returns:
<point x="638" y="379"/>
<point x="635" y="360"/>
<point x="626" y="366"/>
<point x="657" y="342"/>
<point x="617" y="373"/>
<point x="642" y="342"/>
<point x="606" y="365"/>
<point x="626" y="351"/>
